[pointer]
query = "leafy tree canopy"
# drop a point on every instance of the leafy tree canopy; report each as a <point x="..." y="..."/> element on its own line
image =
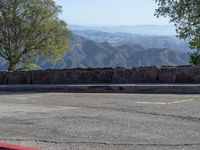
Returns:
<point x="30" y="28"/>
<point x="186" y="16"/>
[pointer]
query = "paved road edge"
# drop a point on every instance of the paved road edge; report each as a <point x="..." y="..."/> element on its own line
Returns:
<point x="156" y="89"/>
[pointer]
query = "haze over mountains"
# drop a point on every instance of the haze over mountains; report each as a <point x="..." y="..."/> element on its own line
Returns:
<point x="147" y="41"/>
<point x="159" y="30"/>
<point x="95" y="48"/>
<point x="89" y="49"/>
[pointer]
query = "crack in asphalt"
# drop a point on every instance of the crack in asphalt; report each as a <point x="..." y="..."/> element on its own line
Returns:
<point x="127" y="110"/>
<point x="102" y="143"/>
<point x="188" y="118"/>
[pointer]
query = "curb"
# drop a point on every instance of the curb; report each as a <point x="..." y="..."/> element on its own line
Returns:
<point x="107" y="88"/>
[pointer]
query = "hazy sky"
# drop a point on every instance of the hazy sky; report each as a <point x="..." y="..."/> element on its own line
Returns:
<point x="110" y="12"/>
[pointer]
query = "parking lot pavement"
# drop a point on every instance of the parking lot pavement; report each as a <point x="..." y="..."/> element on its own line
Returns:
<point x="62" y="121"/>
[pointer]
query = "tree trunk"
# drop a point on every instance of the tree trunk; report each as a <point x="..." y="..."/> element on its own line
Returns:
<point x="12" y="66"/>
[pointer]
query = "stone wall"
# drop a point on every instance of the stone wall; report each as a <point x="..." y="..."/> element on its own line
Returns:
<point x="182" y="74"/>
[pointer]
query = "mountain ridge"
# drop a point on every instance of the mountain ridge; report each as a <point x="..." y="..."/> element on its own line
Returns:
<point x="86" y="53"/>
<point x="148" y="41"/>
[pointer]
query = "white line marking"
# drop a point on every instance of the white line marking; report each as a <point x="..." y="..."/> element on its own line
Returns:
<point x="22" y="98"/>
<point x="152" y="103"/>
<point x="163" y="103"/>
<point x="183" y="101"/>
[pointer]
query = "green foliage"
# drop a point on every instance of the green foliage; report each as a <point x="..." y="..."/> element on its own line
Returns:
<point x="186" y="16"/>
<point x="195" y="58"/>
<point x="31" y="28"/>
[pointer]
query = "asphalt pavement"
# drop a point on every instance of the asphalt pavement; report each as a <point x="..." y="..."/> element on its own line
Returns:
<point x="83" y="121"/>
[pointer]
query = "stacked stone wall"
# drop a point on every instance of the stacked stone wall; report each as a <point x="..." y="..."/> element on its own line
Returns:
<point x="181" y="74"/>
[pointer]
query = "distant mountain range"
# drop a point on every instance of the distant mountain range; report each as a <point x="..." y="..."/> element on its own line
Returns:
<point x="86" y="53"/>
<point x="136" y="29"/>
<point x="147" y="41"/>
<point x="89" y="49"/>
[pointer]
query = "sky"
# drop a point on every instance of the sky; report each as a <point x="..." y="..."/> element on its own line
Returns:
<point x="110" y="12"/>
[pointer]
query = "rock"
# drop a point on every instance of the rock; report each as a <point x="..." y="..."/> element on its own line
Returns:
<point x="151" y="75"/>
<point x="21" y="77"/>
<point x="105" y="76"/>
<point x="167" y="75"/>
<point x="57" y="77"/>
<point x="145" y="75"/>
<point x="83" y="76"/>
<point x="3" y="78"/>
<point x="40" y="77"/>
<point x="121" y="76"/>
<point x="187" y="74"/>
